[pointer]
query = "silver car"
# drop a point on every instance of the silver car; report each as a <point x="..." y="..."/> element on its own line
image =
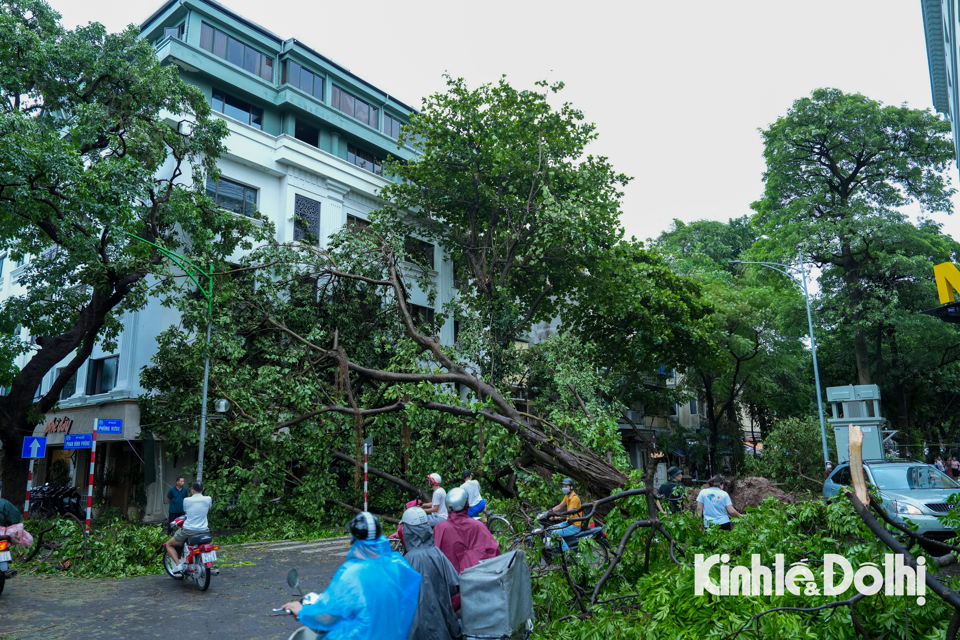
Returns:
<point x="910" y="491"/>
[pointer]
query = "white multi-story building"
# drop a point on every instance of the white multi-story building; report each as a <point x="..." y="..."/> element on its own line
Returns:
<point x="307" y="140"/>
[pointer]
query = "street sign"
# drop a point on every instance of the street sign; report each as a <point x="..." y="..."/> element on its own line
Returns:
<point x="34" y="448"/>
<point x="368" y="445"/>
<point x="78" y="441"/>
<point x="109" y="426"/>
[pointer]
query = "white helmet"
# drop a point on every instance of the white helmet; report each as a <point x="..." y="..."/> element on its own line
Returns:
<point x="434" y="478"/>
<point x="456" y="500"/>
<point x="414" y="515"/>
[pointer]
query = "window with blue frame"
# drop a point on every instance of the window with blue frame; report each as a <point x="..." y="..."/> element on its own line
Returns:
<point x="235" y="52"/>
<point x="391" y="126"/>
<point x="364" y="160"/>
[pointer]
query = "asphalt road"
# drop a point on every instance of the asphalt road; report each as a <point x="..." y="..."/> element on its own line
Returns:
<point x="235" y="606"/>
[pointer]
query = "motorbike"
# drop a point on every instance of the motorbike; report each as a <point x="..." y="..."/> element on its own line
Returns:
<point x="5" y="562"/>
<point x="597" y="537"/>
<point x="303" y="633"/>
<point x="47" y="501"/>
<point x="198" y="555"/>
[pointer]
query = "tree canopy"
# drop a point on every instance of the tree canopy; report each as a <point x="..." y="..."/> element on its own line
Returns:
<point x="97" y="140"/>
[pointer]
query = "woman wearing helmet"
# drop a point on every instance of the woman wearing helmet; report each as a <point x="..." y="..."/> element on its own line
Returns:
<point x="462" y="539"/>
<point x="373" y="594"/>
<point x="435" y="619"/>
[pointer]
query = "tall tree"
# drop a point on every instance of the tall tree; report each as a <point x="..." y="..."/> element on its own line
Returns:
<point x="840" y="167"/>
<point x="503" y="186"/>
<point x="758" y="369"/>
<point x="97" y="139"/>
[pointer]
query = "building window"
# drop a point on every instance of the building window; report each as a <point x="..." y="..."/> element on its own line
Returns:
<point x="364" y="160"/>
<point x="102" y="375"/>
<point x="355" y="107"/>
<point x="459" y="274"/>
<point x="232" y="196"/>
<point x="302" y="79"/>
<point x="391" y="126"/>
<point x="306" y="133"/>
<point x="237" y="109"/>
<point x="422" y="317"/>
<point x="3" y="259"/>
<point x="70" y="388"/>
<point x="174" y="32"/>
<point x="357" y="224"/>
<point x="235" y="52"/>
<point x="693" y="407"/>
<point x="674" y="410"/>
<point x="418" y="251"/>
<point x="306" y="219"/>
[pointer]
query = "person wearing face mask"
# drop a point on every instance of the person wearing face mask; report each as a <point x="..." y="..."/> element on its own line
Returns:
<point x="571" y="506"/>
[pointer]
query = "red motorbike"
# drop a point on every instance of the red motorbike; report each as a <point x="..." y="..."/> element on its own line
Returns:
<point x="198" y="556"/>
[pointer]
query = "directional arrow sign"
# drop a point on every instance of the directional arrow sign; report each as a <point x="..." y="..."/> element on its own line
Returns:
<point x="34" y="448"/>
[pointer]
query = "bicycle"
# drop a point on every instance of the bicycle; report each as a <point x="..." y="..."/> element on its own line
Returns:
<point x="587" y="547"/>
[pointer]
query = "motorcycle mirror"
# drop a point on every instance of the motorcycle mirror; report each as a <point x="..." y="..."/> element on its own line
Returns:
<point x="293" y="578"/>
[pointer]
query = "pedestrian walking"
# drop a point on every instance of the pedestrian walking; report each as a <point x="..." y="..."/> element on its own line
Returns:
<point x="714" y="505"/>
<point x="954" y="468"/>
<point x="827" y="470"/>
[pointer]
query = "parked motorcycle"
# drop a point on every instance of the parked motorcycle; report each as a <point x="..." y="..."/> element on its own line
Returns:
<point x="198" y="555"/>
<point x="303" y="633"/>
<point x="47" y="501"/>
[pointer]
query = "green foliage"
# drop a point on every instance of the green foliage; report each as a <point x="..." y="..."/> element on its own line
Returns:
<point x="98" y="140"/>
<point x="115" y="549"/>
<point x="665" y="606"/>
<point x="793" y="454"/>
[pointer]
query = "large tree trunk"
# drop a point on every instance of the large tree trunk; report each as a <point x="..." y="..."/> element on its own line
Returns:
<point x="861" y="352"/>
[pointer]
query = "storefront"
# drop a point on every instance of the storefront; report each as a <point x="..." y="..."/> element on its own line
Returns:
<point x="131" y="471"/>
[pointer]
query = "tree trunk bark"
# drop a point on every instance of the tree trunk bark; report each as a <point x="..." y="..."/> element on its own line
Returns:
<point x="861" y="352"/>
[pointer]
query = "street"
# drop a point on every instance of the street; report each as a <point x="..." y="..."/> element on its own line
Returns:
<point x="235" y="606"/>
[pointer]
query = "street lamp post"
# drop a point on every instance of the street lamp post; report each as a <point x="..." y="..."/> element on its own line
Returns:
<point x="802" y="283"/>
<point x="190" y="269"/>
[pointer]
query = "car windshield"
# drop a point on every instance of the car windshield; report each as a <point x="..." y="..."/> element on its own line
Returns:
<point x="915" y="477"/>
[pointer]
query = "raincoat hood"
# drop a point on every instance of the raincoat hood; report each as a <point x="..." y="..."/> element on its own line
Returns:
<point x="374" y="594"/>
<point x="418" y="536"/>
<point x="435" y="619"/>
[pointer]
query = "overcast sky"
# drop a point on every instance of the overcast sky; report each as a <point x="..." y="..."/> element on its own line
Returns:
<point x="678" y="90"/>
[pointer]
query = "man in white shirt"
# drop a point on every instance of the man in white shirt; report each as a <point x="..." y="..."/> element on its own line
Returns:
<point x="196" y="508"/>
<point x="436" y="509"/>
<point x="714" y="505"/>
<point x="475" y="501"/>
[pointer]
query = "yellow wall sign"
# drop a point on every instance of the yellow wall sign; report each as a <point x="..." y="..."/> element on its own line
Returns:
<point x="948" y="281"/>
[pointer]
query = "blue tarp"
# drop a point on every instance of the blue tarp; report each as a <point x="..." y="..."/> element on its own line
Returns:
<point x="373" y="595"/>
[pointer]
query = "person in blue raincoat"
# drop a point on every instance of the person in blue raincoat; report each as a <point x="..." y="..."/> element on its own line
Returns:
<point x="372" y="596"/>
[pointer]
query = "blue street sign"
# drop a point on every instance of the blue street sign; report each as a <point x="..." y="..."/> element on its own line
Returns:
<point x="109" y="426"/>
<point x="78" y="441"/>
<point x="34" y="448"/>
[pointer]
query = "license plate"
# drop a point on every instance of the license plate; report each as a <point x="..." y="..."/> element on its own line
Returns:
<point x="209" y="557"/>
<point x="4" y="556"/>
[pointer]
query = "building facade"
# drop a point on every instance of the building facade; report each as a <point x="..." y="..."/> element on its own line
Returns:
<point x="940" y="28"/>
<point x="306" y="147"/>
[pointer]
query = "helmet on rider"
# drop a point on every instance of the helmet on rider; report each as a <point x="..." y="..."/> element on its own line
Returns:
<point x="414" y="515"/>
<point x="434" y="479"/>
<point x="365" y="526"/>
<point x="457" y="500"/>
<point x="567" y="481"/>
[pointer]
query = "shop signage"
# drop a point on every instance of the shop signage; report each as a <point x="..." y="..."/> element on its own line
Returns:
<point x="59" y="425"/>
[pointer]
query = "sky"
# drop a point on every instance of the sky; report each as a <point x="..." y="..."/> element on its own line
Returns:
<point x="678" y="90"/>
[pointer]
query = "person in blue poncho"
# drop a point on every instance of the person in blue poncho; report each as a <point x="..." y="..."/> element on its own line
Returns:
<point x="373" y="595"/>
